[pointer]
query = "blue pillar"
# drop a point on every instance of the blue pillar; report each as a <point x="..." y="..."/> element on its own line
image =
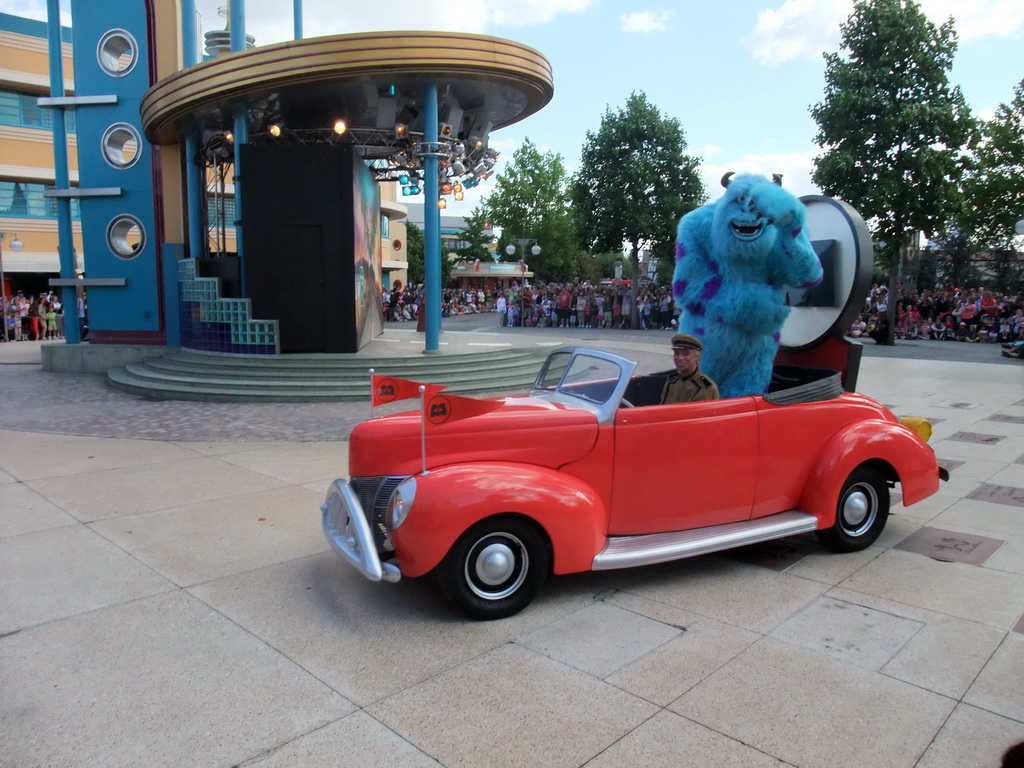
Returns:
<point x="65" y="243"/>
<point x="237" y="22"/>
<point x="431" y="222"/>
<point x="297" y="13"/>
<point x="241" y="137"/>
<point x="194" y="183"/>
<point x="189" y="33"/>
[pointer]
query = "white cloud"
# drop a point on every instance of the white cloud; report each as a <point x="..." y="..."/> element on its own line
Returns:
<point x="271" y="21"/>
<point x="799" y="28"/>
<point x="978" y="19"/>
<point x="806" y="28"/>
<point x="646" y="21"/>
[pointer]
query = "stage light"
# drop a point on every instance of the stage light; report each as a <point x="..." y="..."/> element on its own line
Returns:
<point x="275" y="130"/>
<point x="340" y="127"/>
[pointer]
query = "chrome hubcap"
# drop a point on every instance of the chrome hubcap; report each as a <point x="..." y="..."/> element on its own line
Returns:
<point x="495" y="564"/>
<point x="859" y="510"/>
<point x="856" y="508"/>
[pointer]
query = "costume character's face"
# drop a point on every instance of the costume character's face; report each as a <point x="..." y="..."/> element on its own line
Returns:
<point x="744" y="224"/>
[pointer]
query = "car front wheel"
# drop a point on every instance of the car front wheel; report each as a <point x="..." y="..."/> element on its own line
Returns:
<point x="861" y="513"/>
<point x="495" y="568"/>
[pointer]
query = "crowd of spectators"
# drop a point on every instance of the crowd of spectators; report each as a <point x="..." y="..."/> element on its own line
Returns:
<point x="576" y="304"/>
<point x="949" y="314"/>
<point x="31" y="318"/>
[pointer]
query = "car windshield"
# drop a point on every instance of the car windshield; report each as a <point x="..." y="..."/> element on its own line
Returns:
<point x="590" y="378"/>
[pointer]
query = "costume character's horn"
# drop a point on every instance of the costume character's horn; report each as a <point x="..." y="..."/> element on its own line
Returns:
<point x="777" y="179"/>
<point x="727" y="178"/>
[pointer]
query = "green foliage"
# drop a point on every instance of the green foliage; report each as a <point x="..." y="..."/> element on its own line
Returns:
<point x="635" y="182"/>
<point x="531" y="200"/>
<point x="953" y="266"/>
<point x="415" y="253"/>
<point x="605" y="264"/>
<point x="994" y="186"/>
<point x="892" y="128"/>
<point x="477" y="236"/>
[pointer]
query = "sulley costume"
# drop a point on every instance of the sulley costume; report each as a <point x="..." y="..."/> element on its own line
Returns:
<point x="734" y="259"/>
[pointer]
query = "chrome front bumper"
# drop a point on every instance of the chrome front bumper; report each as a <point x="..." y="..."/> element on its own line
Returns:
<point x="349" y="534"/>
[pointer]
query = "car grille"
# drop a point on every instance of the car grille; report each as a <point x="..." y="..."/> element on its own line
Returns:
<point x="373" y="494"/>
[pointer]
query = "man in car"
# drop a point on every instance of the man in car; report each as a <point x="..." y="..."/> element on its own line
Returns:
<point x="688" y="383"/>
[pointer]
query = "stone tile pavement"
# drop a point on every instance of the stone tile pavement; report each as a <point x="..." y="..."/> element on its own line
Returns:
<point x="167" y="599"/>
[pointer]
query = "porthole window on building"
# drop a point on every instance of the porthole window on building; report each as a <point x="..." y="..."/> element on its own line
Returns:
<point x="117" y="52"/>
<point x="122" y="145"/>
<point x="126" y="237"/>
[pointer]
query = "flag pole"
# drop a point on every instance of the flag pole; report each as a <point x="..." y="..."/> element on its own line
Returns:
<point x="371" y="393"/>
<point x="423" y="426"/>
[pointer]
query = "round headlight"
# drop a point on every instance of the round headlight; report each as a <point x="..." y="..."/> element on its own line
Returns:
<point x="401" y="502"/>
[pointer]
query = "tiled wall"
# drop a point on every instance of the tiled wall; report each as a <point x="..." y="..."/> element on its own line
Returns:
<point x="213" y="324"/>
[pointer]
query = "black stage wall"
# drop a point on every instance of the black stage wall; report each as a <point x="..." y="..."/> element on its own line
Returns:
<point x="309" y="261"/>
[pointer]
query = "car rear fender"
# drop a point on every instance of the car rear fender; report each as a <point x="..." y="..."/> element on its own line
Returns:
<point x="451" y="499"/>
<point x="891" y="448"/>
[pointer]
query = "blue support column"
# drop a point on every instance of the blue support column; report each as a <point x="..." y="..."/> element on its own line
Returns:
<point x="65" y="242"/>
<point x="297" y="13"/>
<point x="431" y="222"/>
<point x="241" y="131"/>
<point x="236" y="20"/>
<point x="194" y="183"/>
<point x="241" y="137"/>
<point x="189" y="33"/>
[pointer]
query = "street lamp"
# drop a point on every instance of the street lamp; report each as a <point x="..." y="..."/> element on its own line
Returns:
<point x="510" y="249"/>
<point x="1019" y="227"/>
<point x="16" y="246"/>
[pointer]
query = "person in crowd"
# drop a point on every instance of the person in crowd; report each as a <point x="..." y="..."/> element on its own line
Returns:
<point x="859" y="327"/>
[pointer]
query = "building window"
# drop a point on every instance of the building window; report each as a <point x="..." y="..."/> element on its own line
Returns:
<point x="18" y="108"/>
<point x="19" y="198"/>
<point x="215" y="206"/>
<point x="385" y="227"/>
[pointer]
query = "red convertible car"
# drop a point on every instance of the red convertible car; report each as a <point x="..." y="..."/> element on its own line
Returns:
<point x="589" y="472"/>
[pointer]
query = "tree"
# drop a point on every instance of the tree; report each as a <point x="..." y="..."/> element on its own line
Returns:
<point x="531" y="200"/>
<point x="953" y="248"/>
<point x="994" y="187"/>
<point x="635" y="182"/>
<point x="892" y="127"/>
<point x="477" y="234"/>
<point x="415" y="254"/>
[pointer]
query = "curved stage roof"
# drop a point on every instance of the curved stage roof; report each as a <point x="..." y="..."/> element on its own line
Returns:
<point x="370" y="80"/>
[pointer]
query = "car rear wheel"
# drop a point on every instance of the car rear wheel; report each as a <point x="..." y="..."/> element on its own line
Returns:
<point x="861" y="512"/>
<point x="495" y="568"/>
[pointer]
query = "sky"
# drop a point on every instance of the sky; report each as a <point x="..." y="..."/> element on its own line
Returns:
<point x="739" y="75"/>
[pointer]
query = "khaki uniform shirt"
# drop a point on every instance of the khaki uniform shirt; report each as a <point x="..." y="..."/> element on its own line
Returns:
<point x="693" y="388"/>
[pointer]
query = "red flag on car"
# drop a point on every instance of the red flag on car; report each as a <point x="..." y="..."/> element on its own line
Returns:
<point x="388" y="389"/>
<point x="441" y="409"/>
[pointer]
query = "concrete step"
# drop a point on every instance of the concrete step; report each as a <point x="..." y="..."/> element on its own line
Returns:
<point x="188" y="375"/>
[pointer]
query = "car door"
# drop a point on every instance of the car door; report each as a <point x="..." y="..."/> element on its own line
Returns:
<point x="682" y="466"/>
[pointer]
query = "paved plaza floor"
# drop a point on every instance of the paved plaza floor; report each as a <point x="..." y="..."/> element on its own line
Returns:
<point x="167" y="599"/>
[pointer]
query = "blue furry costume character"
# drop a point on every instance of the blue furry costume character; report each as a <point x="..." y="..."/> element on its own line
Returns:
<point x="734" y="260"/>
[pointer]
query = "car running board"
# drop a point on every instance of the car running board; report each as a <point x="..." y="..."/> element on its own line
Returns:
<point x="648" y="549"/>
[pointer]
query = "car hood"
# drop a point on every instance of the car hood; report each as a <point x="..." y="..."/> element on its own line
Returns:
<point x="525" y="430"/>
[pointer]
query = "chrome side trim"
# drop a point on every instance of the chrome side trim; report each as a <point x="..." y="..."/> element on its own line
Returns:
<point x="348" y="532"/>
<point x="631" y="551"/>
